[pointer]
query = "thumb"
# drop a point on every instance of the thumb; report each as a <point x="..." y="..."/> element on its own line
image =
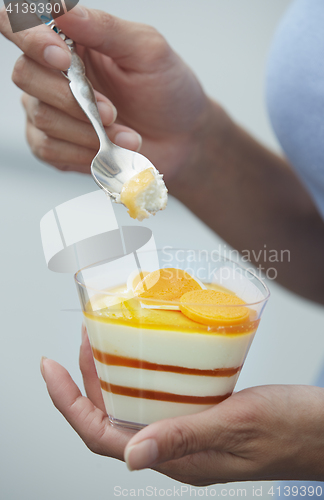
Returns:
<point x="175" y="438"/>
<point x="40" y="43"/>
<point x="124" y="41"/>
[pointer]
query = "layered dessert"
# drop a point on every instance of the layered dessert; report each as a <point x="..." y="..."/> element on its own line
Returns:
<point x="167" y="345"/>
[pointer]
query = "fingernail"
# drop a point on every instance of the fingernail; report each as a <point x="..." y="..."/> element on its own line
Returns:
<point x="141" y="455"/>
<point x="42" y="367"/>
<point x="115" y="112"/>
<point x="129" y="140"/>
<point x="140" y="141"/>
<point x="57" y="57"/>
<point x="79" y="11"/>
<point x="108" y="113"/>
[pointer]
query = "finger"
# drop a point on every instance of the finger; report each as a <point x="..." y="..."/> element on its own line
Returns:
<point x="178" y="437"/>
<point x="59" y="125"/>
<point x="40" y="43"/>
<point x="58" y="152"/>
<point x="90" y="378"/>
<point x="52" y="88"/>
<point x="124" y="41"/>
<point x="89" y="422"/>
<point x="71" y="167"/>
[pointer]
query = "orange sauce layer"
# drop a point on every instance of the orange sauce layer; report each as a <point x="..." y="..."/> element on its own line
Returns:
<point x="113" y="360"/>
<point x="162" y="396"/>
<point x="175" y="321"/>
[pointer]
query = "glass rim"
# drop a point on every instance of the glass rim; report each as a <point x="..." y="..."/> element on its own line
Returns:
<point x="177" y="302"/>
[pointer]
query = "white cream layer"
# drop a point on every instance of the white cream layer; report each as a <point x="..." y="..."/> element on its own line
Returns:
<point x="190" y="350"/>
<point x="174" y="383"/>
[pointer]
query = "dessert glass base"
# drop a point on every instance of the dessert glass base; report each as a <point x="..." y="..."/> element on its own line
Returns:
<point x="160" y="358"/>
<point x="124" y="424"/>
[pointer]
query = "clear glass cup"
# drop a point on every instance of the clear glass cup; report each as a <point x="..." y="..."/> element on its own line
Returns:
<point x="154" y="362"/>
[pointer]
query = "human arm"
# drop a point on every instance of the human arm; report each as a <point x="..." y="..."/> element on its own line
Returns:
<point x="262" y="433"/>
<point x="253" y="199"/>
<point x="244" y="192"/>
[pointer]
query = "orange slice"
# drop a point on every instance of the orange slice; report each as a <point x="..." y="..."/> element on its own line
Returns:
<point x="210" y="307"/>
<point x="134" y="278"/>
<point x="167" y="284"/>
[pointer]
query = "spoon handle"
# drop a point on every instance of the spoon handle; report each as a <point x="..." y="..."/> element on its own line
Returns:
<point x="83" y="92"/>
<point x="81" y="88"/>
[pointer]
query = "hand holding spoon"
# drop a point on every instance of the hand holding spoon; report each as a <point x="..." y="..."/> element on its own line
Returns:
<point x="116" y="170"/>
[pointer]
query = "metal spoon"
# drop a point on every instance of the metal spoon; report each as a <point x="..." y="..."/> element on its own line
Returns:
<point x="113" y="165"/>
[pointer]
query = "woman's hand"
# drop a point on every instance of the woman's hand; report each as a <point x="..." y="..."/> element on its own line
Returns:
<point x="131" y="67"/>
<point x="262" y="433"/>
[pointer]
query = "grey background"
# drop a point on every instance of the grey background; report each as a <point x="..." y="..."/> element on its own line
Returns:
<point x="226" y="42"/>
